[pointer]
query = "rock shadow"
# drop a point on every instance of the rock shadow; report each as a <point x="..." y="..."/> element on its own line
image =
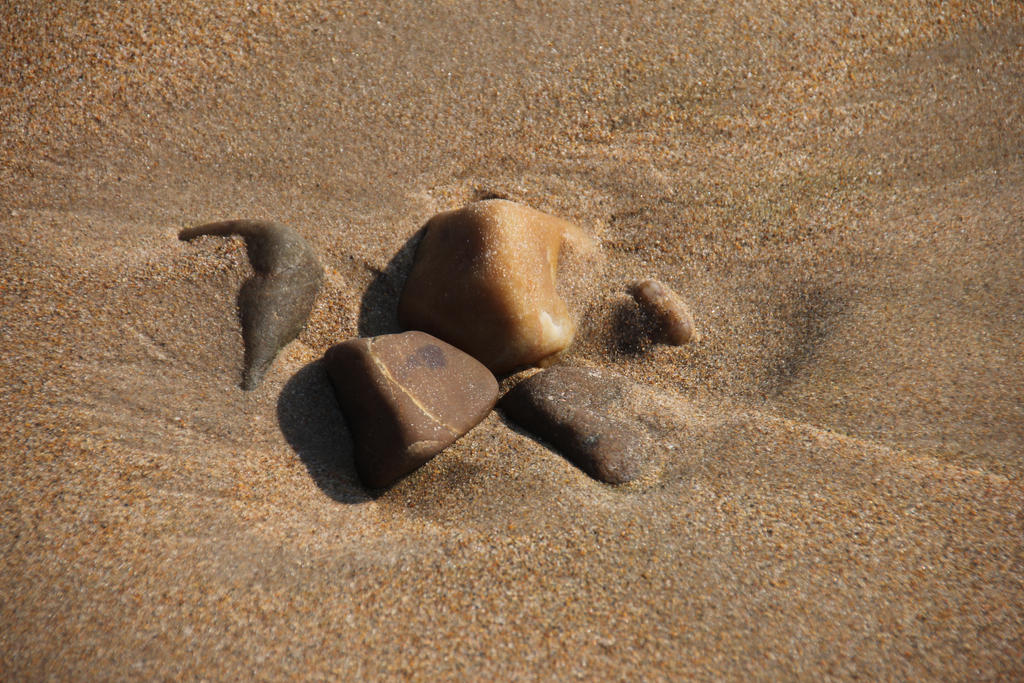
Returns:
<point x="810" y="315"/>
<point x="514" y="426"/>
<point x="314" y="426"/>
<point x="631" y="330"/>
<point x="378" y="309"/>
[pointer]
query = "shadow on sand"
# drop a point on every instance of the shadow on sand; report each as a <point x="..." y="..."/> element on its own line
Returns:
<point x="311" y="421"/>
<point x="378" y="310"/>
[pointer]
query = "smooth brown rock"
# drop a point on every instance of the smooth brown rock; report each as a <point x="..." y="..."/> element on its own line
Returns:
<point x="667" y="311"/>
<point x="485" y="279"/>
<point x="580" y="412"/>
<point x="406" y="397"/>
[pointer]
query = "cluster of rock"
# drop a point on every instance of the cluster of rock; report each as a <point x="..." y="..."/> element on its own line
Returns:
<point x="482" y="298"/>
<point x="484" y="280"/>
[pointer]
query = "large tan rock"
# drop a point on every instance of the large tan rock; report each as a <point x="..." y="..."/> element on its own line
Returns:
<point x="485" y="279"/>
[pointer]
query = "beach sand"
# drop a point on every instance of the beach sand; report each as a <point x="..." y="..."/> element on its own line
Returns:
<point x="837" y="192"/>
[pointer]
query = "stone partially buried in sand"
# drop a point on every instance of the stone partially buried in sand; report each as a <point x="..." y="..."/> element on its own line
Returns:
<point x="668" y="314"/>
<point x="406" y="397"/>
<point x="275" y="303"/>
<point x="580" y="412"/>
<point x="485" y="278"/>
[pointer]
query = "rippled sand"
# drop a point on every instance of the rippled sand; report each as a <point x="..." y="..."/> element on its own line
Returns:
<point x="837" y="193"/>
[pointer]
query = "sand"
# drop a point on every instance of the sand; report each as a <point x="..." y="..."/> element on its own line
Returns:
<point x="836" y="191"/>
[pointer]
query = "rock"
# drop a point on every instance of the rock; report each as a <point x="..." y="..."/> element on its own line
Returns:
<point x="669" y="313"/>
<point x="580" y="412"/>
<point x="275" y="302"/>
<point x="485" y="278"/>
<point x="406" y="397"/>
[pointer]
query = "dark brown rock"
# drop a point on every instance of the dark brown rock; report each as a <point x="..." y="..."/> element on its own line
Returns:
<point x="581" y="412"/>
<point x="406" y="397"/>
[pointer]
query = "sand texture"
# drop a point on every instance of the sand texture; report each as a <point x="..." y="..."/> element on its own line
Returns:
<point x="835" y="189"/>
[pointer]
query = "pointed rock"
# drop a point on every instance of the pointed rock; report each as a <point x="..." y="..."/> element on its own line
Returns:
<point x="485" y="279"/>
<point x="406" y="397"/>
<point x="579" y="411"/>
<point x="276" y="301"/>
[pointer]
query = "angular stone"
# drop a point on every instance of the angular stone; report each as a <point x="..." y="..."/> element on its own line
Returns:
<point x="580" y="412"/>
<point x="485" y="279"/>
<point x="406" y="397"/>
<point x="667" y="311"/>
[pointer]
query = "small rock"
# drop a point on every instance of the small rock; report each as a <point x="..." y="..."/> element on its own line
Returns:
<point x="668" y="311"/>
<point x="580" y="412"/>
<point x="406" y="397"/>
<point x="485" y="279"/>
